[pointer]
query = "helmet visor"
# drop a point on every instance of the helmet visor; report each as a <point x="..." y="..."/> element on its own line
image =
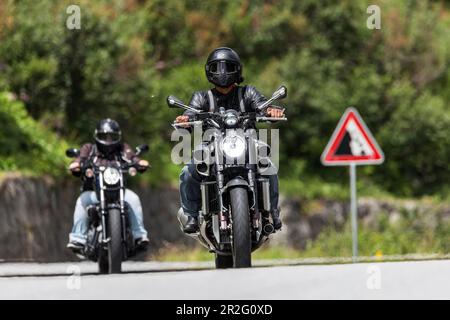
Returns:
<point x="221" y="67"/>
<point x="108" y="138"/>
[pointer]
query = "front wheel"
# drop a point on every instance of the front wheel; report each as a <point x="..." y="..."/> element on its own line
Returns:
<point x="223" y="262"/>
<point x="242" y="245"/>
<point x="115" y="251"/>
<point x="103" y="264"/>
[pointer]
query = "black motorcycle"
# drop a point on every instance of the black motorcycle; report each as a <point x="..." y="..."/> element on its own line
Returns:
<point x="235" y="213"/>
<point x="109" y="239"/>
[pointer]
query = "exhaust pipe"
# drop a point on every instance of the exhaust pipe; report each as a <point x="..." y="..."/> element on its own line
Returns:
<point x="264" y="163"/>
<point x="202" y="160"/>
<point x="264" y="150"/>
<point x="203" y="169"/>
<point x="268" y="229"/>
<point x="265" y="186"/>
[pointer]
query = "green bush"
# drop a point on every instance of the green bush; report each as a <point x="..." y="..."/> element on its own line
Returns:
<point x="25" y="144"/>
<point x="128" y="56"/>
<point x="412" y="232"/>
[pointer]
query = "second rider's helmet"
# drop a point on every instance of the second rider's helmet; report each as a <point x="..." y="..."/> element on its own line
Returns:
<point x="107" y="136"/>
<point x="223" y="67"/>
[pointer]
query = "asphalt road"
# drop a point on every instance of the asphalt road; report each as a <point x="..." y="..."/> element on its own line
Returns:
<point x="155" y="280"/>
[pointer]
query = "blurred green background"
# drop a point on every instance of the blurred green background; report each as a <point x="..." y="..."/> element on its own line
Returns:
<point x="56" y="83"/>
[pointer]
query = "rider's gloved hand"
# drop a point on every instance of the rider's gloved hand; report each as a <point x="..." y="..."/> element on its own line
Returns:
<point x="142" y="165"/>
<point x="181" y="119"/>
<point x="75" y="168"/>
<point x="275" y="112"/>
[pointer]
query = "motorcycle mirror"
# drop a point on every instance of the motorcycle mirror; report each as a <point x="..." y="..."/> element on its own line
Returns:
<point x="141" y="149"/>
<point x="173" y="102"/>
<point x="72" y="153"/>
<point x="280" y="93"/>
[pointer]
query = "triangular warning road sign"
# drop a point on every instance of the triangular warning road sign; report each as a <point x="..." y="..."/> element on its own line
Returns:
<point x="352" y="142"/>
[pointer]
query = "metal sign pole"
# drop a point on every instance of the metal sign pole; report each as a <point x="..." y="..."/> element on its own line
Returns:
<point x="340" y="152"/>
<point x="354" y="210"/>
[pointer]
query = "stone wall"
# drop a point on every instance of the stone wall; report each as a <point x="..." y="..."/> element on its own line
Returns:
<point x="36" y="217"/>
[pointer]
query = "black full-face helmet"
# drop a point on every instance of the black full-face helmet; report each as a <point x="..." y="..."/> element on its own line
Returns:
<point x="223" y="67"/>
<point x="107" y="136"/>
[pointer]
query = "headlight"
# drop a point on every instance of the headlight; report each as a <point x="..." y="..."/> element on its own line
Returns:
<point x="233" y="145"/>
<point x="111" y="176"/>
<point x="231" y="121"/>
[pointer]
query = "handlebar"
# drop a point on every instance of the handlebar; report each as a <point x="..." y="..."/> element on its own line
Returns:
<point x="205" y="116"/>
<point x="189" y="123"/>
<point x="270" y="119"/>
<point x="124" y="167"/>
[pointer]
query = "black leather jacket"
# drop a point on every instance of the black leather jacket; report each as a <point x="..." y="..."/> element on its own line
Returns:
<point x="251" y="97"/>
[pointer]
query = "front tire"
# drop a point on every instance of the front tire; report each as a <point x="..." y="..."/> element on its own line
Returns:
<point x="242" y="245"/>
<point x="103" y="264"/>
<point x="115" y="251"/>
<point x="223" y="262"/>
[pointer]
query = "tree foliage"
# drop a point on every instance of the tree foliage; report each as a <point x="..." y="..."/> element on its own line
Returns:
<point x="129" y="55"/>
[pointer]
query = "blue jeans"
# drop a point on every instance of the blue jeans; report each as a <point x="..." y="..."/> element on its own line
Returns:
<point x="191" y="197"/>
<point x="88" y="198"/>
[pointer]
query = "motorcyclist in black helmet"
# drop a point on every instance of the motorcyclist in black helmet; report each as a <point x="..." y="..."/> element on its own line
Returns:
<point x="108" y="147"/>
<point x="223" y="69"/>
<point x="107" y="136"/>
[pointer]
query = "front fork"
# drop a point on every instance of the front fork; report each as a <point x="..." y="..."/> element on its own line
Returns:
<point x="123" y="209"/>
<point x="253" y="184"/>
<point x="256" y="214"/>
<point x="223" y="223"/>
<point x="105" y="238"/>
<point x="104" y="211"/>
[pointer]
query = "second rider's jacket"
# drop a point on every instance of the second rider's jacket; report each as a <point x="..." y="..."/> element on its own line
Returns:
<point x="89" y="152"/>
<point x="243" y="99"/>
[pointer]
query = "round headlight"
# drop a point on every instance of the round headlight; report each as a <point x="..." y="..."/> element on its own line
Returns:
<point x="111" y="176"/>
<point x="233" y="146"/>
<point x="231" y="121"/>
